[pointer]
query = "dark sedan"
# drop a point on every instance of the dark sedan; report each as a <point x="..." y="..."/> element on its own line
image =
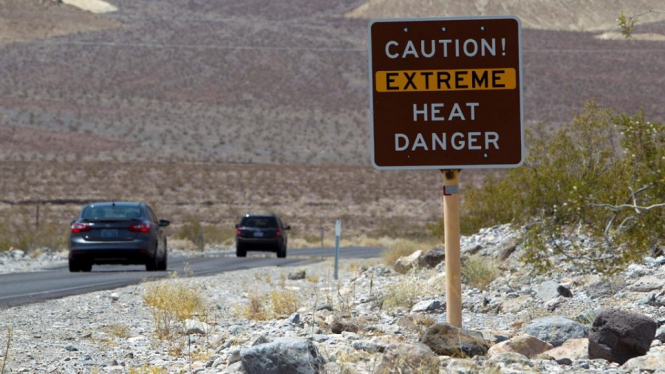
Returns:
<point x="261" y="232"/>
<point x="117" y="233"/>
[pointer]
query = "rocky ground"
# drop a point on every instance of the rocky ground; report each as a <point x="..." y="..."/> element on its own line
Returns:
<point x="373" y="320"/>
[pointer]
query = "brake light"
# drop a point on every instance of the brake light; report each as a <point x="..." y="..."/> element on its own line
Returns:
<point x="238" y="232"/>
<point x="278" y="233"/>
<point x="79" y="227"/>
<point x="140" y="227"/>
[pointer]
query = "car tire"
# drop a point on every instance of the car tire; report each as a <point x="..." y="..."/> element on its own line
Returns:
<point x="281" y="252"/>
<point x="241" y="251"/>
<point x="86" y="267"/>
<point x="74" y="266"/>
<point x="162" y="263"/>
<point x="152" y="264"/>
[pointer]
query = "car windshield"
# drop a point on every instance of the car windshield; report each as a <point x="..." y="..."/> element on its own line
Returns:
<point x="111" y="213"/>
<point x="260" y="222"/>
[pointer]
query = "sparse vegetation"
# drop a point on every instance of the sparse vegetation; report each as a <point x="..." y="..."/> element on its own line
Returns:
<point x="591" y="191"/>
<point x="479" y="271"/>
<point x="173" y="302"/>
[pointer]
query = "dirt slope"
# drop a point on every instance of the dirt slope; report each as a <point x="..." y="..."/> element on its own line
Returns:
<point x="41" y="19"/>
<point x="568" y="15"/>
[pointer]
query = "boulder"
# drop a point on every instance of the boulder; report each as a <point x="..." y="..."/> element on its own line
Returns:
<point x="649" y="363"/>
<point x="618" y="335"/>
<point x="446" y="339"/>
<point x="506" y="249"/>
<point x="297" y="275"/>
<point x="406" y="263"/>
<point x="408" y="359"/>
<point x="571" y="351"/>
<point x="432" y="258"/>
<point x="285" y="355"/>
<point x="556" y="330"/>
<point x="526" y="345"/>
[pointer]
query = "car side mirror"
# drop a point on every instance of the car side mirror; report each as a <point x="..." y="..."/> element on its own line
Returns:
<point x="71" y="223"/>
<point x="164" y="223"/>
<point x="237" y="225"/>
<point x="287" y="227"/>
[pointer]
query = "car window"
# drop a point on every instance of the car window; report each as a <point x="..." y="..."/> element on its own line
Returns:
<point x="107" y="213"/>
<point x="260" y="222"/>
<point x="151" y="215"/>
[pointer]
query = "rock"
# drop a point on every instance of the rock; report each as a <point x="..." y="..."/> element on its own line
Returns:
<point x="284" y="355"/>
<point x="432" y="258"/>
<point x="338" y="326"/>
<point x="506" y="248"/>
<point x="470" y="250"/>
<point x="660" y="334"/>
<point x="572" y="350"/>
<point x="526" y="345"/>
<point x="408" y="359"/>
<point x="294" y="319"/>
<point x="446" y="339"/>
<point x="406" y="263"/>
<point x="297" y="275"/>
<point x="649" y="363"/>
<point x="564" y="290"/>
<point x="517" y="304"/>
<point x="427" y="306"/>
<point x="618" y="335"/>
<point x="548" y="290"/>
<point x="556" y="330"/>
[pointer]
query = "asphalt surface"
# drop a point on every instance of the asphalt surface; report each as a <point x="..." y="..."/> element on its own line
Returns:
<point x="31" y="287"/>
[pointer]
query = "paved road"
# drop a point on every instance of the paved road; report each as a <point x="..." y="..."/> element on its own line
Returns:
<point x="31" y="287"/>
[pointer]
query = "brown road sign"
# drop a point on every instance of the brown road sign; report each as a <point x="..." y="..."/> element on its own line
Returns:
<point x="446" y="93"/>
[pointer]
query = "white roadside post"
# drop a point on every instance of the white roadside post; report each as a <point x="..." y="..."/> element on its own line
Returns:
<point x="338" y="233"/>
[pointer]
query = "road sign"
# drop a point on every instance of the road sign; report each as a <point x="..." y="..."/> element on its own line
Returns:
<point x="446" y="93"/>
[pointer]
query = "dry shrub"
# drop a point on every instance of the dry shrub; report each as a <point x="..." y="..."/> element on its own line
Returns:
<point x="411" y="288"/>
<point x="256" y="309"/>
<point x="173" y="302"/>
<point x="147" y="370"/>
<point x="284" y="303"/>
<point x="117" y="330"/>
<point x="478" y="271"/>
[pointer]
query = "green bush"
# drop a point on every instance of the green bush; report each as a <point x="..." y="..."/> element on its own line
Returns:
<point x="600" y="177"/>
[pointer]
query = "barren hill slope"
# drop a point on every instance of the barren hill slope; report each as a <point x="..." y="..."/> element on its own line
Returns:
<point x="265" y="81"/>
<point x="568" y="15"/>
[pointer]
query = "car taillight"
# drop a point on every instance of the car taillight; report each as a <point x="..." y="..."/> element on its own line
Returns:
<point x="79" y="227"/>
<point x="238" y="232"/>
<point x="140" y="227"/>
<point x="278" y="233"/>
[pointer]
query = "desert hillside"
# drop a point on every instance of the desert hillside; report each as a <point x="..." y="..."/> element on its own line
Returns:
<point x="561" y="15"/>
<point x="226" y="84"/>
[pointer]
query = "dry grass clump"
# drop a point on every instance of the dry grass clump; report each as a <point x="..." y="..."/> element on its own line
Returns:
<point x="173" y="302"/>
<point x="401" y="248"/>
<point x="410" y="289"/>
<point x="478" y="271"/>
<point x="117" y="330"/>
<point x="284" y="303"/>
<point x="147" y="370"/>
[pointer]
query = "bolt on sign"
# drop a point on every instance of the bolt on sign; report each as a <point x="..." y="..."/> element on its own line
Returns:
<point x="446" y="93"/>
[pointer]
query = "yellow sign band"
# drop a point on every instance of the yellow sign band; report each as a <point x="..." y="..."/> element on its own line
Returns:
<point x="446" y="80"/>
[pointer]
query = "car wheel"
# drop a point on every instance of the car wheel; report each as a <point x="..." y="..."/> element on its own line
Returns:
<point x="74" y="266"/>
<point x="281" y="252"/>
<point x="162" y="263"/>
<point x="241" y="251"/>
<point x="86" y="266"/>
<point x="152" y="262"/>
